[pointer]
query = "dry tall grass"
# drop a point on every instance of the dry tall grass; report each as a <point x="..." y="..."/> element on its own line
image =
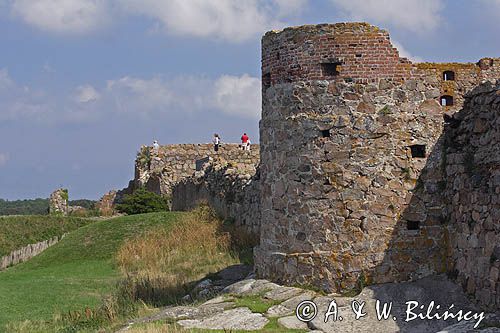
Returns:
<point x="161" y="265"/>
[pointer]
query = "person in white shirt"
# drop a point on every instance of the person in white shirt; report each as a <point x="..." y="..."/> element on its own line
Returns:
<point x="216" y="142"/>
<point x="156" y="146"/>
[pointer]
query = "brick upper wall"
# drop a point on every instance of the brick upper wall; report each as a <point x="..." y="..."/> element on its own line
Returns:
<point x="364" y="51"/>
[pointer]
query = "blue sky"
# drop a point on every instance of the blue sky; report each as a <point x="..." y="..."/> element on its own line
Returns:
<point x="84" y="83"/>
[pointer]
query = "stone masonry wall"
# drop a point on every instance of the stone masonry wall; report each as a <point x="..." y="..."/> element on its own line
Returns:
<point x="473" y="190"/>
<point x="234" y="193"/>
<point x="352" y="163"/>
<point x="58" y="202"/>
<point x="159" y="171"/>
<point x="106" y="204"/>
<point x="191" y="174"/>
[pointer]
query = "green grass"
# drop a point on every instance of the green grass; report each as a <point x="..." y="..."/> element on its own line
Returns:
<point x="255" y="303"/>
<point x="73" y="274"/>
<point x="19" y="231"/>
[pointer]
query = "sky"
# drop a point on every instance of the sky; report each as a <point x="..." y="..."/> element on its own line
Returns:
<point x="85" y="83"/>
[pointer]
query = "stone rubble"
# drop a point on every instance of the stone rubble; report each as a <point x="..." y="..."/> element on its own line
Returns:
<point x="220" y="312"/>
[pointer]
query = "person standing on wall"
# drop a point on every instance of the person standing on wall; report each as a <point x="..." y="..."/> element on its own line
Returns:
<point x="245" y="142"/>
<point x="216" y="142"/>
<point x="156" y="146"/>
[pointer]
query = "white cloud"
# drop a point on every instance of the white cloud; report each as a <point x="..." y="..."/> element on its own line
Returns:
<point x="238" y="95"/>
<point x="405" y="53"/>
<point x="235" y="95"/>
<point x="289" y="7"/>
<point x="415" y="15"/>
<point x="4" y="158"/>
<point x="220" y="19"/>
<point x="139" y="95"/>
<point x="224" y="19"/>
<point x="17" y="101"/>
<point x="86" y="93"/>
<point x="63" y="16"/>
<point x="5" y="80"/>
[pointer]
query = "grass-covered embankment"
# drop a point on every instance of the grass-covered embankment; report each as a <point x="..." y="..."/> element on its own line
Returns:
<point x="73" y="274"/>
<point x="162" y="265"/>
<point x="19" y="231"/>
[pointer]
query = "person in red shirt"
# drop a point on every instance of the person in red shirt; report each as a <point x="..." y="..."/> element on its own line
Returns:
<point x="245" y="142"/>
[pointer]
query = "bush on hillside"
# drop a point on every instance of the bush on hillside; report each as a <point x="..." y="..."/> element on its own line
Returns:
<point x="143" y="201"/>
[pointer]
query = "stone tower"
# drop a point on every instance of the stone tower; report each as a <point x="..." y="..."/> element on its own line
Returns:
<point x="351" y="157"/>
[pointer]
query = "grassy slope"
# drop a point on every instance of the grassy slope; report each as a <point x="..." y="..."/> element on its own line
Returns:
<point x="19" y="231"/>
<point x="72" y="274"/>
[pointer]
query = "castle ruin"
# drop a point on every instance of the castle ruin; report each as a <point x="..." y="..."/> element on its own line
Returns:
<point x="372" y="168"/>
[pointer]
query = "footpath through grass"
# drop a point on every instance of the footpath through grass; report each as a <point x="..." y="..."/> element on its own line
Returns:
<point x="73" y="274"/>
<point x="19" y="231"/>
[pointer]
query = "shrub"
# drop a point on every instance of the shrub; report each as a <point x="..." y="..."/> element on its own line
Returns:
<point x="143" y="201"/>
<point x="144" y="157"/>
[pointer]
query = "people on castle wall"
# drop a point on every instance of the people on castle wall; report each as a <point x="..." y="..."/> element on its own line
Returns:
<point x="245" y="142"/>
<point x="216" y="141"/>
<point x="156" y="146"/>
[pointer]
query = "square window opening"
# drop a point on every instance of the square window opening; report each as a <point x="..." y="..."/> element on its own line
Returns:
<point x="413" y="225"/>
<point x="449" y="76"/>
<point x="418" y="151"/>
<point x="325" y="133"/>
<point x="446" y="100"/>
<point x="330" y="68"/>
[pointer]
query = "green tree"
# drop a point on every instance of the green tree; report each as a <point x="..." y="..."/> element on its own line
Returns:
<point x="143" y="201"/>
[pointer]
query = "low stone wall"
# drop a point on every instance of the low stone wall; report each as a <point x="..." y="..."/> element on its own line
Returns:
<point x="160" y="170"/>
<point x="27" y="252"/>
<point x="473" y="191"/>
<point x="234" y="193"/>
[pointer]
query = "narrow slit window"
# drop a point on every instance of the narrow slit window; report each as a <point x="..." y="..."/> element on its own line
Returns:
<point x="418" y="151"/>
<point x="413" y="225"/>
<point x="446" y="100"/>
<point x="266" y="81"/>
<point x="325" y="133"/>
<point x="330" y="68"/>
<point x="449" y="76"/>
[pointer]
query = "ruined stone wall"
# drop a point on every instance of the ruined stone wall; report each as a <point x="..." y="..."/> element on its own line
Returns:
<point x="160" y="170"/>
<point x="473" y="190"/>
<point x="106" y="205"/>
<point x="465" y="77"/>
<point x="191" y="174"/>
<point x="352" y="163"/>
<point x="27" y="252"/>
<point x="363" y="53"/>
<point x="232" y="192"/>
<point x="58" y="202"/>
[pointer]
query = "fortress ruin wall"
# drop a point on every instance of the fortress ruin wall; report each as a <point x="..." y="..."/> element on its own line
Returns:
<point x="352" y="159"/>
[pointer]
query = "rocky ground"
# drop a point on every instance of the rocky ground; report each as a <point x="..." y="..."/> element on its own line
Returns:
<point x="238" y="301"/>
